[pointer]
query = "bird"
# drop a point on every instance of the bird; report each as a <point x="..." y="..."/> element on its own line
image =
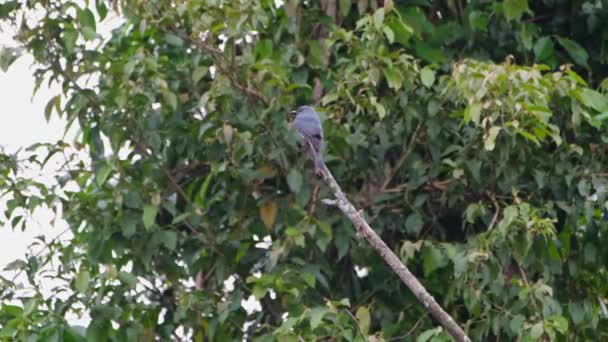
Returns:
<point x="309" y="127"/>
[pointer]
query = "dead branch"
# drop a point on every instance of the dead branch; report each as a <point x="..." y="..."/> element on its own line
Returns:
<point x="364" y="230"/>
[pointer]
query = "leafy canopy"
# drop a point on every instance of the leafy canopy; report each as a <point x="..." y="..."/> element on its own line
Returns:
<point x="484" y="170"/>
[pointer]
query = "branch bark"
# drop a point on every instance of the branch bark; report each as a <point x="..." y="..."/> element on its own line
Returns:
<point x="364" y="230"/>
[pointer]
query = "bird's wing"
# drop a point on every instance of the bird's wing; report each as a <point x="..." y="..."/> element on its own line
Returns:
<point x="309" y="125"/>
<point x="311" y="130"/>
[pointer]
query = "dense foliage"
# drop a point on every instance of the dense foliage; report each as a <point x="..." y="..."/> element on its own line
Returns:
<point x="471" y="133"/>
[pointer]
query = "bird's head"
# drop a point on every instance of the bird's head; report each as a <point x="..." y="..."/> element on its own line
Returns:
<point x="300" y="109"/>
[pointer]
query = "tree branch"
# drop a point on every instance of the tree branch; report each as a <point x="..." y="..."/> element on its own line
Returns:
<point x="496" y="209"/>
<point x="363" y="229"/>
<point x="219" y="60"/>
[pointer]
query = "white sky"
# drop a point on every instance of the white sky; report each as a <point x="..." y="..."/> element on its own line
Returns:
<point x="22" y="123"/>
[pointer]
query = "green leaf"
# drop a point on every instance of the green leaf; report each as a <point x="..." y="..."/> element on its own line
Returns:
<point x="69" y="37"/>
<point x="316" y="316"/>
<point x="201" y="197"/>
<point x="409" y="249"/>
<point x="577" y="312"/>
<point x="401" y="32"/>
<point x="388" y="32"/>
<point x="364" y="318"/>
<point x="316" y="54"/>
<point x="309" y="279"/>
<point x="428" y="334"/>
<point x="83" y="278"/>
<point x="294" y="180"/>
<point x="537" y="330"/>
<point x="199" y="73"/>
<point x="379" y="18"/>
<point x="543" y="49"/>
<point x="102" y="173"/>
<point x="479" y="21"/>
<point x="433" y="259"/>
<point x="181" y="217"/>
<point x="380" y="110"/>
<point x="102" y="9"/>
<point x="149" y="215"/>
<point x="575" y="50"/>
<point x="473" y="113"/>
<point x="12" y="310"/>
<point x="129" y="226"/>
<point x="88" y="34"/>
<point x="174" y="40"/>
<point x="576" y="77"/>
<point x="429" y="53"/>
<point x="345" y="6"/>
<point x="8" y="56"/>
<point x="414" y="223"/>
<point x="329" y="98"/>
<point x="516" y="324"/>
<point x="601" y="117"/>
<point x="7" y="7"/>
<point x="514" y="9"/>
<point x="259" y="292"/>
<point x="427" y="76"/>
<point x="526" y="35"/>
<point x="128" y="278"/>
<point x="263" y="49"/>
<point x="54" y="102"/>
<point x="30" y="305"/>
<point x="490" y="140"/>
<point x="170" y="239"/>
<point x="15" y="265"/>
<point x="560" y="323"/>
<point x="393" y="77"/>
<point x="594" y="99"/>
<point x="342" y="242"/>
<point x="170" y="98"/>
<point x="97" y="331"/>
<point x="86" y="18"/>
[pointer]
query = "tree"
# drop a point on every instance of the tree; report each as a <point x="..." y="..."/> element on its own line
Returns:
<point x="481" y="168"/>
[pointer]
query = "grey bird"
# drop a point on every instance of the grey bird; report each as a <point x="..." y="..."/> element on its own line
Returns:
<point x="308" y="125"/>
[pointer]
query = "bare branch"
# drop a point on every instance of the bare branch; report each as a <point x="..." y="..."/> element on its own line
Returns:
<point x="363" y="229"/>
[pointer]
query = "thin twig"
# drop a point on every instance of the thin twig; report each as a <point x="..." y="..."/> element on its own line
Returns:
<point x="411" y="330"/>
<point x="313" y="200"/>
<point x="496" y="209"/>
<point x="142" y="149"/>
<point x="401" y="160"/>
<point x="217" y="54"/>
<point x="522" y="273"/>
<point x="282" y="159"/>
<point x="37" y="254"/>
<point x="357" y="323"/>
